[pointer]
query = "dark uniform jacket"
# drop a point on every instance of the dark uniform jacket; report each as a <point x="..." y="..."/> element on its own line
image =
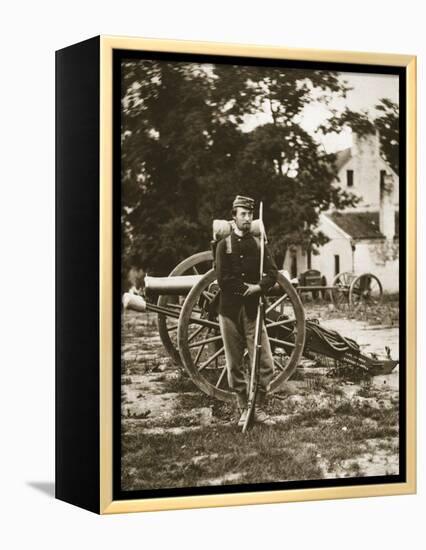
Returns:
<point x="239" y="267"/>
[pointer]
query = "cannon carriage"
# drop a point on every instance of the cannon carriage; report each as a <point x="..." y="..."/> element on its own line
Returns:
<point x="186" y="307"/>
<point x="351" y="291"/>
<point x="189" y="327"/>
<point x="348" y="291"/>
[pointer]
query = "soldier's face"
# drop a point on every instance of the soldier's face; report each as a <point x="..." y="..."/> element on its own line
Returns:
<point x="243" y="218"/>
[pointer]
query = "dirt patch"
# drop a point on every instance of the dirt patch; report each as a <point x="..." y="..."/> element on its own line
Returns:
<point x="174" y="435"/>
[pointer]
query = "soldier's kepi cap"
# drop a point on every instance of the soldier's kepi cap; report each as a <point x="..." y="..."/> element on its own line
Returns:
<point x="244" y="202"/>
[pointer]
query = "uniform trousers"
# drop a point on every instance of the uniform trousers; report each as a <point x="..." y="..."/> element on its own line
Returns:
<point x="238" y="336"/>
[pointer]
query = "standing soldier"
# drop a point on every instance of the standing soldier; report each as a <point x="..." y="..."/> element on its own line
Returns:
<point x="237" y="268"/>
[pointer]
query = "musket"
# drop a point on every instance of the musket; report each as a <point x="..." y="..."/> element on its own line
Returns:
<point x="257" y="349"/>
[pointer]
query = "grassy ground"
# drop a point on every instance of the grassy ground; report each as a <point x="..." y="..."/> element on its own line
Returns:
<point x="176" y="436"/>
<point x="386" y="313"/>
<point x="314" y="442"/>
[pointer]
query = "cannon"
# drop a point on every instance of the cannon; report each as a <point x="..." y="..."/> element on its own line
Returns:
<point x="185" y="303"/>
<point x="350" y="291"/>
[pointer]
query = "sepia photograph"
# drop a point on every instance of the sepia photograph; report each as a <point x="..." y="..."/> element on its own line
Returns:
<point x="259" y="274"/>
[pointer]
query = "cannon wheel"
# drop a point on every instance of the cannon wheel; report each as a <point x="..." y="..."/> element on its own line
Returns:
<point x="366" y="290"/>
<point x="167" y="326"/>
<point x="201" y="346"/>
<point x="340" y="292"/>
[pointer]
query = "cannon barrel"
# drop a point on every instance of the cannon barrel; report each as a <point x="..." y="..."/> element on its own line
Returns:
<point x="180" y="285"/>
<point x="172" y="286"/>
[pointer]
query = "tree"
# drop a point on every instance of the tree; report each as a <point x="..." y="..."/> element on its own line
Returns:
<point x="187" y="151"/>
<point x="278" y="161"/>
<point x="388" y="125"/>
<point x="164" y="141"/>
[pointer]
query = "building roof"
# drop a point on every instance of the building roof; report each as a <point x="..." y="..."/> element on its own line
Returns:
<point x="361" y="225"/>
<point x="342" y="157"/>
<point x="345" y="155"/>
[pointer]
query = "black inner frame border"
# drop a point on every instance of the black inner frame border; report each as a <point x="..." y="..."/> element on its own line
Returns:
<point x="118" y="57"/>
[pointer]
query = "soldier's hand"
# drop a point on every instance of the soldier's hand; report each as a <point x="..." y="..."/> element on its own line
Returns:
<point x="251" y="289"/>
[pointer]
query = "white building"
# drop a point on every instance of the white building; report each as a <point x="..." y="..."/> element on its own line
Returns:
<point x="363" y="239"/>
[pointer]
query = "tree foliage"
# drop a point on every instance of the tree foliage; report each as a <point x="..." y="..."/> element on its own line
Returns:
<point x="189" y="146"/>
<point x="388" y="125"/>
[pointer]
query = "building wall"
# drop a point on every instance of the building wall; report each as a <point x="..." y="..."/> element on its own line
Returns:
<point x="325" y="261"/>
<point x="376" y="256"/>
<point x="339" y="244"/>
<point x="381" y="258"/>
<point x="367" y="164"/>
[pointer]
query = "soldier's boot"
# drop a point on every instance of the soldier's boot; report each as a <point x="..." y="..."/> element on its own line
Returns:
<point x="260" y="416"/>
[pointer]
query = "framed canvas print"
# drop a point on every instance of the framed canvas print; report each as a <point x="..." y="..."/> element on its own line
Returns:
<point x="235" y="244"/>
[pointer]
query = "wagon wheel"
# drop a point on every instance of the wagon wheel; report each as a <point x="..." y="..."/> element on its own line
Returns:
<point x="340" y="292"/>
<point x="366" y="290"/>
<point x="197" y="264"/>
<point x="201" y="346"/>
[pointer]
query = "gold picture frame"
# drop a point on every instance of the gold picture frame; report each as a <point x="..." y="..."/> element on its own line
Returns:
<point x="106" y="504"/>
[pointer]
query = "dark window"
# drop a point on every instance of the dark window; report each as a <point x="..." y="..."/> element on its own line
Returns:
<point x="350" y="178"/>
<point x="382" y="179"/>
<point x="336" y="264"/>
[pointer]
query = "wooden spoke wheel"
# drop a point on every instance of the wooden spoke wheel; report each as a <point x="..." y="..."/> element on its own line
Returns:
<point x="198" y="264"/>
<point x="366" y="291"/>
<point x="201" y="346"/>
<point x="340" y="291"/>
